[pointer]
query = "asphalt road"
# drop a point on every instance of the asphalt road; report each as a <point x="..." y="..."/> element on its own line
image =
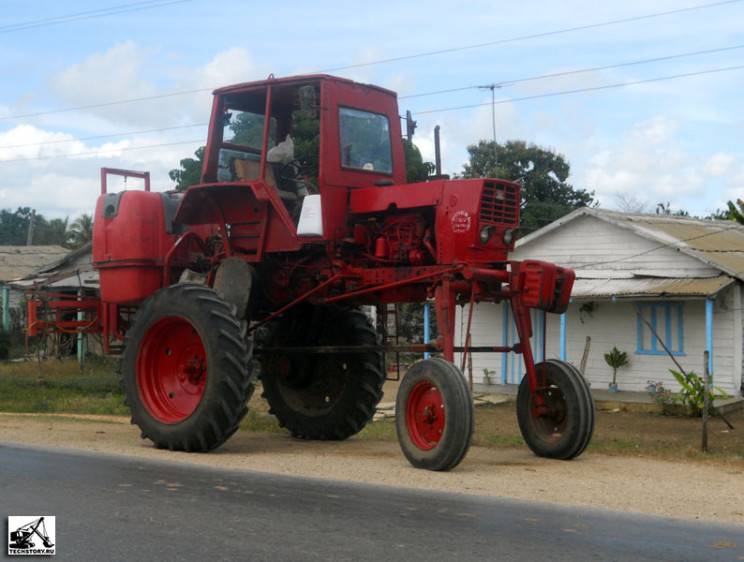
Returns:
<point x="110" y="507"/>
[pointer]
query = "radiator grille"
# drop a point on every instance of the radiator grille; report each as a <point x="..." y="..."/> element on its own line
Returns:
<point x="499" y="204"/>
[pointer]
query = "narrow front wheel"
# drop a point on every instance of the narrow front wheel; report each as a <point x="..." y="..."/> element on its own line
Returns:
<point x="557" y="420"/>
<point x="435" y="417"/>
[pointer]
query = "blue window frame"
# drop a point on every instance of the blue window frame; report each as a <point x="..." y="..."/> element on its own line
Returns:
<point x="666" y="320"/>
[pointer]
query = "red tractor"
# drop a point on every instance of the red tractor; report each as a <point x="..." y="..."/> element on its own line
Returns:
<point x="278" y="252"/>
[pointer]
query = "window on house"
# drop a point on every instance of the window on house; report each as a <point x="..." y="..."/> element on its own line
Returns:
<point x="665" y="319"/>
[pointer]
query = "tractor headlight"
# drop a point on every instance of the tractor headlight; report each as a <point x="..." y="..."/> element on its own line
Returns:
<point x="508" y="237"/>
<point x="485" y="234"/>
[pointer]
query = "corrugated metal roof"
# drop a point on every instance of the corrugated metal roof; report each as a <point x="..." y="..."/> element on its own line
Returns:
<point x="718" y="244"/>
<point x="649" y="286"/>
<point x="86" y="279"/>
<point x="20" y="261"/>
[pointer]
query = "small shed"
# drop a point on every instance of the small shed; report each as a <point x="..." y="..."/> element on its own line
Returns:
<point x="641" y="280"/>
<point x="17" y="262"/>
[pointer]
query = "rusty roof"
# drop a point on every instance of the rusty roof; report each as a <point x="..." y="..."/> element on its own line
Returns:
<point x="649" y="286"/>
<point x="19" y="261"/>
<point x="716" y="243"/>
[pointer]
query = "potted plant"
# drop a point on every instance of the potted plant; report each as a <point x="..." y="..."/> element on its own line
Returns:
<point x="615" y="359"/>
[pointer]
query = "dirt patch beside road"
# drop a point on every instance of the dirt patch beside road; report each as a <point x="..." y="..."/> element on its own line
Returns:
<point x="677" y="487"/>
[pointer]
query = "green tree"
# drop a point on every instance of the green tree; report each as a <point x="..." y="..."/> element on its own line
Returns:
<point x="736" y="211"/>
<point x="52" y="232"/>
<point x="416" y="169"/>
<point x="14" y="226"/>
<point x="81" y="230"/>
<point x="190" y="171"/>
<point x="546" y="195"/>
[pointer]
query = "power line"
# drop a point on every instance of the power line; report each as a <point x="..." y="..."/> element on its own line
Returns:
<point x="105" y="104"/>
<point x="113" y="10"/>
<point x="582" y="90"/>
<point x="79" y="139"/>
<point x="431" y="53"/>
<point x="451" y="90"/>
<point x="493" y="102"/>
<point x="101" y="152"/>
<point x="580" y="71"/>
<point x="530" y="36"/>
<point x="660" y="247"/>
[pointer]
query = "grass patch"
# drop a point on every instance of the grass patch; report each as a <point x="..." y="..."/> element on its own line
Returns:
<point x="60" y="387"/>
<point x="260" y="422"/>
<point x="498" y="441"/>
<point x="383" y="430"/>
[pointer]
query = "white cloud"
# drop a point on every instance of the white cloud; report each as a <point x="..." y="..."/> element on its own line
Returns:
<point x="30" y="143"/>
<point x="646" y="163"/>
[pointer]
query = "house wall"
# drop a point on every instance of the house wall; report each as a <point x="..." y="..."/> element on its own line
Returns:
<point x="611" y="324"/>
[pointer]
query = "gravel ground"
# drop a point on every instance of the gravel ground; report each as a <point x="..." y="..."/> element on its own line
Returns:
<point x="689" y="490"/>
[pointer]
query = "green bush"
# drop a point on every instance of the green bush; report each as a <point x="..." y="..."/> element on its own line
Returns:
<point x="693" y="391"/>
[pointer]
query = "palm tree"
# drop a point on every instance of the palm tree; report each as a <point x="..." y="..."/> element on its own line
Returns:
<point x="734" y="213"/>
<point x="81" y="230"/>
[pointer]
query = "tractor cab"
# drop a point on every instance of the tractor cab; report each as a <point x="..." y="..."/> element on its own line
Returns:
<point x="278" y="142"/>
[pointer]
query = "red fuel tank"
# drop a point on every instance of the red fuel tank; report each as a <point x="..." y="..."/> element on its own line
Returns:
<point x="132" y="232"/>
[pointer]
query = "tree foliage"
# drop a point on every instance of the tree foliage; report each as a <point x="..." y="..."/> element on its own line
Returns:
<point x="190" y="171"/>
<point x="15" y="226"/>
<point x="546" y="194"/>
<point x="416" y="169"/>
<point x="736" y="211"/>
<point x="81" y="231"/>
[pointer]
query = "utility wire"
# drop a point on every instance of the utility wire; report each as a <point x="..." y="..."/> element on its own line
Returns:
<point x="531" y="36"/>
<point x="735" y="226"/>
<point x="580" y="71"/>
<point x="106" y="104"/>
<point x="505" y="82"/>
<point x="79" y="139"/>
<point x="113" y="10"/>
<point x="582" y="90"/>
<point x="101" y="152"/>
<point x="567" y="30"/>
<point x="510" y="100"/>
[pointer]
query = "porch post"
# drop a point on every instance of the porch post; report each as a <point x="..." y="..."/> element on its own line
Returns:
<point x="426" y="327"/>
<point x="505" y="341"/>
<point x="709" y="332"/>
<point x="563" y="336"/>
<point x="6" y="308"/>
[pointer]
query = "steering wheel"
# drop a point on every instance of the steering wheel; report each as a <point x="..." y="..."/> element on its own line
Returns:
<point x="295" y="170"/>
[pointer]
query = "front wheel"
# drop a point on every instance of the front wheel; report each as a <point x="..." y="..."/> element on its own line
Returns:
<point x="564" y="426"/>
<point x="185" y="370"/>
<point x="434" y="415"/>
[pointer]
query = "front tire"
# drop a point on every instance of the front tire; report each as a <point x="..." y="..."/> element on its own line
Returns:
<point x="565" y="429"/>
<point x="434" y="415"/>
<point x="185" y="369"/>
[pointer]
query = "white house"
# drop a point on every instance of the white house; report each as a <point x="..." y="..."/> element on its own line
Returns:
<point x="684" y="276"/>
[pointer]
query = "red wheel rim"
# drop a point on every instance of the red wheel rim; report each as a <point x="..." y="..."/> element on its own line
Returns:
<point x="425" y="416"/>
<point x="171" y="369"/>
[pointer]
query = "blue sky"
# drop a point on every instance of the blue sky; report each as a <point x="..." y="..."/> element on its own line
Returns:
<point x="632" y="133"/>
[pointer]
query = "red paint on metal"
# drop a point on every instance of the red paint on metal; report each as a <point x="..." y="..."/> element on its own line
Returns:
<point x="171" y="369"/>
<point x="425" y="416"/>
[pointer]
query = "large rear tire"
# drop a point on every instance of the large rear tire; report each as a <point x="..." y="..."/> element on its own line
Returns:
<point x="434" y="415"/>
<point x="322" y="396"/>
<point x="185" y="369"/>
<point x="565" y="429"/>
